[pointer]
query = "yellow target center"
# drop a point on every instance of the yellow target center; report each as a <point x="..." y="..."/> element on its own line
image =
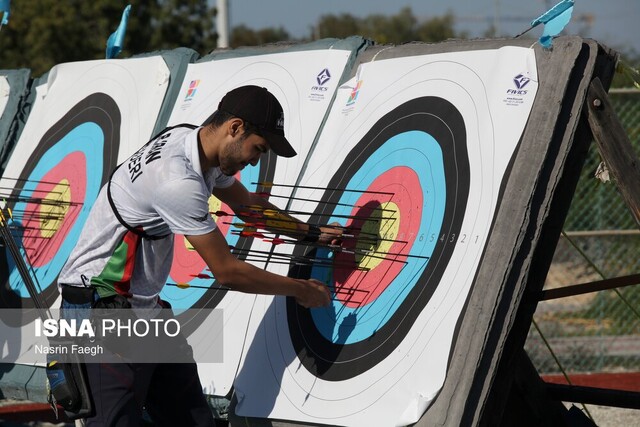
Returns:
<point x="377" y="235"/>
<point x="54" y="209"/>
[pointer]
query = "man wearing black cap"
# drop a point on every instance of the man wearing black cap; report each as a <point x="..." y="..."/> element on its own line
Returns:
<point x="124" y="253"/>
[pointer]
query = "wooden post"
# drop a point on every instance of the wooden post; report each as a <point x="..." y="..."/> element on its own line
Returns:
<point x="528" y="402"/>
<point x="594" y="395"/>
<point x="614" y="146"/>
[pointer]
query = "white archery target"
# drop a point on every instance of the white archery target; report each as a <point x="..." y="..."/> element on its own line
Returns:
<point x="386" y="370"/>
<point x="294" y="79"/>
<point x="86" y="118"/>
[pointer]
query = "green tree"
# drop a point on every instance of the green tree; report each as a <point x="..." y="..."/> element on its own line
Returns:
<point x="339" y="26"/>
<point x="183" y="23"/>
<point x="394" y="29"/>
<point x="400" y="28"/>
<point x="437" y="29"/>
<point x="42" y="33"/>
<point x="628" y="69"/>
<point x="242" y="35"/>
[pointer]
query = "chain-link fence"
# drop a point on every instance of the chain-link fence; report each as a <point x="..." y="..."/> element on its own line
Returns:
<point x="600" y="331"/>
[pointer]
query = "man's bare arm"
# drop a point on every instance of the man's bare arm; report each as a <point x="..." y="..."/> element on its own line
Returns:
<point x="242" y="276"/>
<point x="240" y="200"/>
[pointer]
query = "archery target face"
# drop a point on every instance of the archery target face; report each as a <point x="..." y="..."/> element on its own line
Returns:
<point x="68" y="148"/>
<point x="412" y="175"/>
<point x="411" y="161"/>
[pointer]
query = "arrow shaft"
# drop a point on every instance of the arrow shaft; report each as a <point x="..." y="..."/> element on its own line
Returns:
<point x="333" y="266"/>
<point x="383" y="255"/>
<point x="30" y="180"/>
<point x="265" y="256"/>
<point x="22" y="215"/>
<point x="31" y="190"/>
<point x="346" y="190"/>
<point x="350" y="291"/>
<point x="39" y="201"/>
<point x="318" y="201"/>
<point x="524" y="32"/>
<point x="287" y="211"/>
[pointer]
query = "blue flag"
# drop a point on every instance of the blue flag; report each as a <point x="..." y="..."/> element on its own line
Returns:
<point x="116" y="39"/>
<point x="554" y="20"/>
<point x="4" y="7"/>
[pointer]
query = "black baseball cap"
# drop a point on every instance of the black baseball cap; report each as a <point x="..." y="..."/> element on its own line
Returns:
<point x="259" y="107"/>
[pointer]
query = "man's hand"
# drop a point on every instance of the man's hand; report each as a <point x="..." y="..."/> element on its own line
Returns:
<point x="313" y="293"/>
<point x="331" y="234"/>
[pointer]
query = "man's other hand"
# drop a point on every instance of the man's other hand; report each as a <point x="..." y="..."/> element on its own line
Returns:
<point x="331" y="234"/>
<point x="313" y="293"/>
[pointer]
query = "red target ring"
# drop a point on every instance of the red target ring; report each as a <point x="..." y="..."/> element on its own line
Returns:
<point x="47" y="225"/>
<point x="382" y="231"/>
<point x="187" y="264"/>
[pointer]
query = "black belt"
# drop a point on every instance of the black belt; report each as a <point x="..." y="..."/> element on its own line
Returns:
<point x="78" y="294"/>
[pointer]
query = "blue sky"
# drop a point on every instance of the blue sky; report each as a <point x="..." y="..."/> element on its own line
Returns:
<point x="614" y="23"/>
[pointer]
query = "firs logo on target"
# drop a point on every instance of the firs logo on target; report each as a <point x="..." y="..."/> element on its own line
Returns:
<point x="520" y="81"/>
<point x="322" y="78"/>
